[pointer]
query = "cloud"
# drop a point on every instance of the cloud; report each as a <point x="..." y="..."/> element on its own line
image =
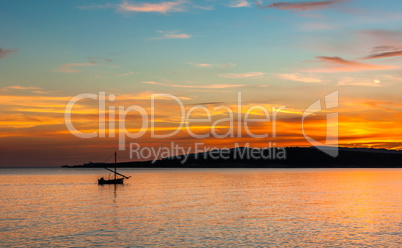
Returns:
<point x="359" y="82"/>
<point x="339" y="60"/>
<point x="171" y="35"/>
<point x="32" y="89"/>
<point x="41" y="92"/>
<point x="337" y="64"/>
<point x="96" y="60"/>
<point x="207" y="103"/>
<point x="213" y="86"/>
<point x="391" y="77"/>
<point x="243" y="75"/>
<point x="4" y="53"/>
<point x="386" y="43"/>
<point x="205" y="65"/>
<point x="163" y="7"/>
<point x="380" y="36"/>
<point x="203" y="7"/>
<point x="239" y="4"/>
<point x="69" y="67"/>
<point x="126" y="74"/>
<point x="379" y="49"/>
<point x="301" y="6"/>
<point x="96" y="6"/>
<point x="299" y="78"/>
<point x="384" y="55"/>
<point x="18" y="87"/>
<point x="316" y="26"/>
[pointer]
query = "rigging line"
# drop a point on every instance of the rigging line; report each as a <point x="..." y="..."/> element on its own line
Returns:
<point x="108" y="158"/>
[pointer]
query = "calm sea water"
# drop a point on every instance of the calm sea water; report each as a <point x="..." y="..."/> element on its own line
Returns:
<point x="201" y="207"/>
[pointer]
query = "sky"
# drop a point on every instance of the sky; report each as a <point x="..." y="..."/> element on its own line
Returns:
<point x="204" y="52"/>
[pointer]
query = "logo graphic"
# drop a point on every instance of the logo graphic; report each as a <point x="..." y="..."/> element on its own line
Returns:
<point x="112" y="120"/>
<point x="330" y="146"/>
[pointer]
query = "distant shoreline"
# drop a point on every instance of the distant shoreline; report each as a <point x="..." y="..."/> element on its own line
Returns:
<point x="295" y="157"/>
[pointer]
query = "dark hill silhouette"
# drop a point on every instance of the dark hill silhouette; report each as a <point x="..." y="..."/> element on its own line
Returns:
<point x="296" y="157"/>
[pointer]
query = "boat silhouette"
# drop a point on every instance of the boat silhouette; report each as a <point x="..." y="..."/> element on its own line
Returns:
<point x="115" y="180"/>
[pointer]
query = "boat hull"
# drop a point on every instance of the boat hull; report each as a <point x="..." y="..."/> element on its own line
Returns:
<point x="111" y="181"/>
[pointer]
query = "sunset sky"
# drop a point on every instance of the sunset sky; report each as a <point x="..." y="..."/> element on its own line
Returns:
<point x="276" y="53"/>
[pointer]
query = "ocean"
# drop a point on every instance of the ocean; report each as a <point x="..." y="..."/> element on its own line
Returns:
<point x="62" y="207"/>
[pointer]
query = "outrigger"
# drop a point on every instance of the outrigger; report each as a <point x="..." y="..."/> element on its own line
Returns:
<point x="116" y="180"/>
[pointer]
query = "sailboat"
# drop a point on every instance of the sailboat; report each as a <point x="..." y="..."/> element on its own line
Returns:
<point x="114" y="180"/>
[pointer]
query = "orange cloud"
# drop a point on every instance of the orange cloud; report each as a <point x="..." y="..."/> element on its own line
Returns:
<point x="32" y="125"/>
<point x="338" y="64"/>
<point x="163" y="7"/>
<point x="360" y="82"/>
<point x="243" y="75"/>
<point x="239" y="4"/>
<point x="385" y="55"/>
<point x="69" y="67"/>
<point x="206" y="65"/>
<point x="212" y="86"/>
<point x="299" y="78"/>
<point x="126" y="74"/>
<point x="18" y="87"/>
<point x="386" y="43"/>
<point x="171" y="35"/>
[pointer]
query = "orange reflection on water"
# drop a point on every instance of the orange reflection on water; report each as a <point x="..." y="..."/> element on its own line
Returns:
<point x="202" y="207"/>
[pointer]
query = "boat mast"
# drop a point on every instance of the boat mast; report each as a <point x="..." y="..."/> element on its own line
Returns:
<point x="115" y="171"/>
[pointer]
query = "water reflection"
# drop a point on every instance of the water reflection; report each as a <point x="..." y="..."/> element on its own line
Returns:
<point x="195" y="208"/>
<point x="106" y="190"/>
